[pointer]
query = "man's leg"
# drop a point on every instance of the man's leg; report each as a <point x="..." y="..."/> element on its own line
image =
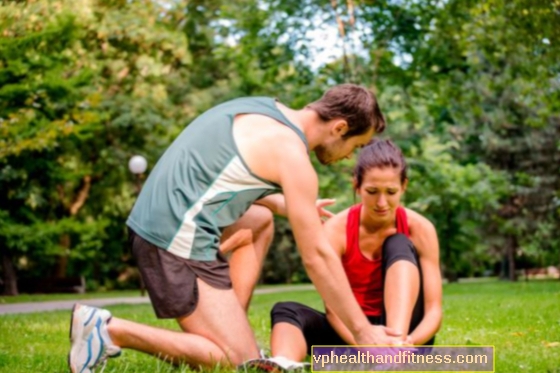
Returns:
<point x="217" y="331"/>
<point x="247" y="241"/>
<point x="402" y="281"/>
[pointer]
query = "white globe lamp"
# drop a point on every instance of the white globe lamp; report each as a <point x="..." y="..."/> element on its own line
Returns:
<point x="137" y="164"/>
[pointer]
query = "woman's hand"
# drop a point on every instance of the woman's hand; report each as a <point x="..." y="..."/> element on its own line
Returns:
<point x="320" y="204"/>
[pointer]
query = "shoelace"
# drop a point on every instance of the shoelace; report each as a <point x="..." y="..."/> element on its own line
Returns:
<point x="103" y="365"/>
<point x="104" y="359"/>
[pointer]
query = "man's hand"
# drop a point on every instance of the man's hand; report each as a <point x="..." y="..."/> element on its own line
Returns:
<point x="320" y="204"/>
<point x="379" y="335"/>
<point x="408" y="341"/>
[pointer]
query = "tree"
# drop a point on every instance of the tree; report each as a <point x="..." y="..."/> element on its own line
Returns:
<point x="76" y="80"/>
<point x="501" y="96"/>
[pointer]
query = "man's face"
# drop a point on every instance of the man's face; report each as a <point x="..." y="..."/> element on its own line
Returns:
<point x="337" y="148"/>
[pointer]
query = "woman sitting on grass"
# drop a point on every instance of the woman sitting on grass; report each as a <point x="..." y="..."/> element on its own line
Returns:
<point x="391" y="257"/>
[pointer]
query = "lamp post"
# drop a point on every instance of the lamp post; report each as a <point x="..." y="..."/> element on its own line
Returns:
<point x="138" y="165"/>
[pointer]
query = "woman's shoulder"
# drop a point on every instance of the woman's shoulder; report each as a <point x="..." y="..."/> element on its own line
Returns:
<point x="418" y="223"/>
<point x="335" y="228"/>
<point x="338" y="221"/>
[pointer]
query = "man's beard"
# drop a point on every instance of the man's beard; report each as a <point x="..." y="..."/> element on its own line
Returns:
<point x="323" y="155"/>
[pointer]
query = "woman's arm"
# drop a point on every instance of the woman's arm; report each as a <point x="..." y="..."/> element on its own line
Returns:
<point x="424" y="237"/>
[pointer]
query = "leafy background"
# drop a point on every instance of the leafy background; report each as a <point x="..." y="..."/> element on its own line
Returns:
<point x="470" y="90"/>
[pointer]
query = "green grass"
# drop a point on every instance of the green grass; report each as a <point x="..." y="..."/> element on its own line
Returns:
<point x="522" y="321"/>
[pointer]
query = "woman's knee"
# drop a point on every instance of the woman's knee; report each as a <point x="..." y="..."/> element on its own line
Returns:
<point x="281" y="309"/>
<point x="257" y="224"/>
<point x="286" y="312"/>
<point x="399" y="247"/>
<point x="261" y="216"/>
<point x="397" y="241"/>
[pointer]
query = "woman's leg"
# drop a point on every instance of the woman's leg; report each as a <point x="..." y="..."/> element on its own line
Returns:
<point x="287" y="340"/>
<point x="403" y="297"/>
<point x="297" y="327"/>
<point x="247" y="242"/>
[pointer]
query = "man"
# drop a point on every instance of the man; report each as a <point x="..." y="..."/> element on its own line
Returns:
<point x="211" y="193"/>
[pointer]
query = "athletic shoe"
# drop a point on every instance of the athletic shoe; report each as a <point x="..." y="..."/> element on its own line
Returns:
<point x="277" y="364"/>
<point x="91" y="343"/>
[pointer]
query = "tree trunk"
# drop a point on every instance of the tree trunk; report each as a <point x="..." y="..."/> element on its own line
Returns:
<point x="62" y="263"/>
<point x="451" y="276"/>
<point x="512" y="246"/>
<point x="10" y="278"/>
<point x="73" y="208"/>
<point x="449" y="271"/>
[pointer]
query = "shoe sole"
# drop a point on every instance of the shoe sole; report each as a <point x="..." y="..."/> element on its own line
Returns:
<point x="265" y="365"/>
<point x="75" y="334"/>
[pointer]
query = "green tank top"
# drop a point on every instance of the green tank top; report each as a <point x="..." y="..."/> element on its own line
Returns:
<point x="201" y="184"/>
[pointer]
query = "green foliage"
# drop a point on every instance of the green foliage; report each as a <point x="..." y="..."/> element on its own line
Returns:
<point x="461" y="200"/>
<point x="470" y="91"/>
<point x="501" y="102"/>
<point x="84" y="88"/>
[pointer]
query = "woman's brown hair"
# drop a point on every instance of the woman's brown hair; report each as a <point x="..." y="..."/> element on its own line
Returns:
<point x="379" y="154"/>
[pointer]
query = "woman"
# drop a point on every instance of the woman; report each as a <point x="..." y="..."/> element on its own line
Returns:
<point x="391" y="257"/>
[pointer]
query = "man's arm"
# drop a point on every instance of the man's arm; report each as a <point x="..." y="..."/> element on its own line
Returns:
<point x="339" y="326"/>
<point x="299" y="183"/>
<point x="335" y="230"/>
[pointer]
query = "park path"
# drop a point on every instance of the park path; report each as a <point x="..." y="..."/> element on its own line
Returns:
<point x="31" y="307"/>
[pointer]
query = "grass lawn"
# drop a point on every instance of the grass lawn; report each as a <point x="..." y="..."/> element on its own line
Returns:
<point x="522" y="321"/>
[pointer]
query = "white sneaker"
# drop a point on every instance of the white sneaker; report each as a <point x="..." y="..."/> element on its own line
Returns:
<point x="288" y="364"/>
<point x="277" y="364"/>
<point x="91" y="343"/>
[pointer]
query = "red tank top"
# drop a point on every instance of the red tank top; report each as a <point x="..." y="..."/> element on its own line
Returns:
<point x="365" y="275"/>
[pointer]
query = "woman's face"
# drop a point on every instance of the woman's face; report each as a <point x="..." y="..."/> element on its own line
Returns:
<point x="381" y="192"/>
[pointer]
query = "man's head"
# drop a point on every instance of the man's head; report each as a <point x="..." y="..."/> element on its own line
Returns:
<point x="353" y="116"/>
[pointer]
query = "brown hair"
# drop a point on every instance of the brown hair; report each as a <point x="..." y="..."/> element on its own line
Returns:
<point x="356" y="104"/>
<point x="379" y="153"/>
